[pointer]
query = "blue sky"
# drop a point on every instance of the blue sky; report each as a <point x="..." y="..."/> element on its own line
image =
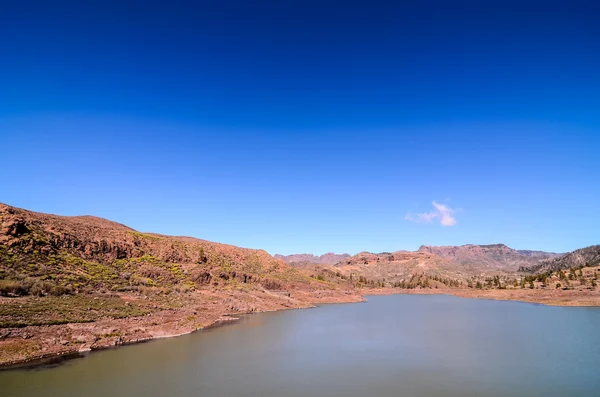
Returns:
<point x="305" y="126"/>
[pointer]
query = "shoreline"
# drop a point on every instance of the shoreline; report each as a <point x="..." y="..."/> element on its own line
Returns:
<point x="56" y="358"/>
<point x="53" y="359"/>
<point x="547" y="297"/>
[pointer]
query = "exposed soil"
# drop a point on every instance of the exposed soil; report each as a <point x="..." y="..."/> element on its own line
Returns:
<point x="75" y="284"/>
<point x="33" y="343"/>
<point x="164" y="318"/>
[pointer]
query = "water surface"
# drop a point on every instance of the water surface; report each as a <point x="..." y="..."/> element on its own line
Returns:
<point x="402" y="345"/>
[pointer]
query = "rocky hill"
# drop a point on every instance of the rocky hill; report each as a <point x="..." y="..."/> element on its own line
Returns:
<point x="389" y="268"/>
<point x="326" y="259"/>
<point x="86" y="253"/>
<point x="583" y="257"/>
<point x="489" y="258"/>
<point x="98" y="283"/>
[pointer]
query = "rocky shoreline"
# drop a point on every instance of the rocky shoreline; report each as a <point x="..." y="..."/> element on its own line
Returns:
<point x="166" y="324"/>
<point x="38" y="344"/>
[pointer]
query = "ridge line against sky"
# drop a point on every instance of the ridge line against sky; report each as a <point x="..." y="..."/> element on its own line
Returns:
<point x="304" y="126"/>
<point x="317" y="254"/>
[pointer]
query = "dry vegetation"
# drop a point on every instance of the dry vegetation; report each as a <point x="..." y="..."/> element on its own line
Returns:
<point x="58" y="274"/>
<point x="69" y="284"/>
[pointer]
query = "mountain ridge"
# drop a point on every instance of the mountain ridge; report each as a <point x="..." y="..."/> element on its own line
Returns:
<point x="493" y="257"/>
<point x="328" y="258"/>
<point x="582" y="257"/>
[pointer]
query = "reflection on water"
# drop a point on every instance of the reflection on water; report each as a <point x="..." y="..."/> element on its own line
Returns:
<point x="403" y="345"/>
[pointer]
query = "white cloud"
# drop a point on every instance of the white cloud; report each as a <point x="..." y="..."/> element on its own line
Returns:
<point x="440" y="212"/>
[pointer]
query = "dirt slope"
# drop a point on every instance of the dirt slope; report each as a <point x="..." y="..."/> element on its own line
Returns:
<point x="98" y="283"/>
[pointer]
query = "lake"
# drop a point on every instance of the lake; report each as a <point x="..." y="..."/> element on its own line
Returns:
<point x="400" y="346"/>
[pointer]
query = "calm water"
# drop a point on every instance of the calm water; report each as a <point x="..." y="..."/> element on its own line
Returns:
<point x="403" y="345"/>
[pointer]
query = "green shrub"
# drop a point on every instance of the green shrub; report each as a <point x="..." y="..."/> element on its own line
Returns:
<point x="41" y="288"/>
<point x="12" y="288"/>
<point x="31" y="286"/>
<point x="59" y="290"/>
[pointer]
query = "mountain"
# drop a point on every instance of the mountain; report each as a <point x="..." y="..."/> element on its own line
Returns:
<point x="452" y="266"/>
<point x="539" y="254"/>
<point x="456" y="263"/>
<point x="489" y="258"/>
<point x="326" y="259"/>
<point x="583" y="257"/>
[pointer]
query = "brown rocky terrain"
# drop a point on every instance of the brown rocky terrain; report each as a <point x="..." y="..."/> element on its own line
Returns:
<point x="78" y="283"/>
<point x="388" y="268"/>
<point x="495" y="275"/>
<point x="72" y="284"/>
<point x="489" y="258"/>
<point x="584" y="257"/>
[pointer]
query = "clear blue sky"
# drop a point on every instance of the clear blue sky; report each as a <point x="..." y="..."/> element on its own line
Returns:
<point x="301" y="126"/>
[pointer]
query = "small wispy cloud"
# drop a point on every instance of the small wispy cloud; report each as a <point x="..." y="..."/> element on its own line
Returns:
<point x="440" y="212"/>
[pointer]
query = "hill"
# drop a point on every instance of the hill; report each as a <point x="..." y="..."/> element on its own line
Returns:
<point x="95" y="274"/>
<point x="583" y="257"/>
<point x="397" y="268"/>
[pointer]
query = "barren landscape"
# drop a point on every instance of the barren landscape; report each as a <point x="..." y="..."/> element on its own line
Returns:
<point x="74" y="284"/>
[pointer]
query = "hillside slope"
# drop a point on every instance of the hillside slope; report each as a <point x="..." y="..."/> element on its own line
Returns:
<point x="112" y="284"/>
<point x="583" y="257"/>
<point x="83" y="253"/>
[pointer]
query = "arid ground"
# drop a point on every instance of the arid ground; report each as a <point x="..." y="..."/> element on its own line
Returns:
<point x="75" y="284"/>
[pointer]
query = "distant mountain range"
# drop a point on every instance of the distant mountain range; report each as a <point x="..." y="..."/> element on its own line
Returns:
<point x="479" y="258"/>
<point x="455" y="262"/>
<point x="326" y="259"/>
<point x="492" y="257"/>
